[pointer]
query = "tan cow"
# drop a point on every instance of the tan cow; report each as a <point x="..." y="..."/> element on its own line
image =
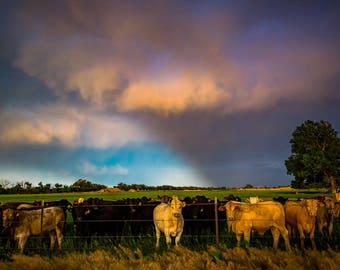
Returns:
<point x="244" y="218"/>
<point x="302" y="216"/>
<point x="26" y="223"/>
<point x="168" y="218"/>
<point x="336" y="210"/>
<point x="337" y="196"/>
<point x="327" y="210"/>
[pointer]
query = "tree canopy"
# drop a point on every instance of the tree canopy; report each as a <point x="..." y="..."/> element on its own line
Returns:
<point x="315" y="159"/>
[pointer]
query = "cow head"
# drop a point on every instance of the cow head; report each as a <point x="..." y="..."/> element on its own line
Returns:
<point x="176" y="204"/>
<point x="311" y="206"/>
<point x="336" y="210"/>
<point x="230" y="208"/>
<point x="8" y="216"/>
<point x="281" y="200"/>
<point x="164" y="198"/>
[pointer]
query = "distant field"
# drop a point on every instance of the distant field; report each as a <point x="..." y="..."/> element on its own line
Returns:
<point x="266" y="194"/>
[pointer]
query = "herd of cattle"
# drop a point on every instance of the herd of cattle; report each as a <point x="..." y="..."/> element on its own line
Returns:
<point x="170" y="215"/>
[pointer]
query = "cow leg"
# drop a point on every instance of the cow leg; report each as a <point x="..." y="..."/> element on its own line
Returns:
<point x="302" y="237"/>
<point x="168" y="239"/>
<point x="158" y="235"/>
<point x="178" y="238"/>
<point x="247" y="236"/>
<point x="320" y="228"/>
<point x="52" y="240"/>
<point x="238" y="238"/>
<point x="289" y="228"/>
<point x="311" y="236"/>
<point x="276" y="236"/>
<point x="59" y="237"/>
<point x="330" y="226"/>
<point x="285" y="235"/>
<point x="21" y="239"/>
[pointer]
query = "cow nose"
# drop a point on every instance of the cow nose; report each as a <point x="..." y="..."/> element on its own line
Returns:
<point x="177" y="215"/>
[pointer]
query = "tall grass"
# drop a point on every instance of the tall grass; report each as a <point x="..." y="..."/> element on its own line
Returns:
<point x="180" y="258"/>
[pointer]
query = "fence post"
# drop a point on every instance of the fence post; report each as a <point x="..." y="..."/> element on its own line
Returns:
<point x="41" y="224"/>
<point x="216" y="222"/>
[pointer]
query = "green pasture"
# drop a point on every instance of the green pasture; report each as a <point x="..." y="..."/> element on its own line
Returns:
<point x="266" y="194"/>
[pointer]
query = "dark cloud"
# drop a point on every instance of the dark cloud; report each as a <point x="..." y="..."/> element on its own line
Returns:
<point x="223" y="84"/>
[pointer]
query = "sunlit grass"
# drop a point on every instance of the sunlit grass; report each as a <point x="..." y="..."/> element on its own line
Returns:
<point x="213" y="257"/>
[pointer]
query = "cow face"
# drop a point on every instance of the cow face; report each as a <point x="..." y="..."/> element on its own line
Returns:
<point x="336" y="210"/>
<point x="230" y="207"/>
<point x="176" y="206"/>
<point x="311" y="206"/>
<point x="8" y="216"/>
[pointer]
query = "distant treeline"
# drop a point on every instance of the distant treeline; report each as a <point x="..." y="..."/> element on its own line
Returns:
<point x="83" y="185"/>
<point x="26" y="187"/>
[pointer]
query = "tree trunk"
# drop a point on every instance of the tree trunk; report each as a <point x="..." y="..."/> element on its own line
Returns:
<point x="332" y="183"/>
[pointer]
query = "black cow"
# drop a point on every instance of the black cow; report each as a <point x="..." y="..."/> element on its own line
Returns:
<point x="141" y="215"/>
<point x="231" y="197"/>
<point x="203" y="213"/>
<point x="188" y="215"/>
<point x="96" y="216"/>
<point x="281" y="200"/>
<point x="63" y="204"/>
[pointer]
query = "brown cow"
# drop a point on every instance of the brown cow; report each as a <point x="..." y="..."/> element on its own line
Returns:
<point x="245" y="217"/>
<point x="301" y="216"/>
<point x="325" y="215"/>
<point x="337" y="196"/>
<point x="26" y="223"/>
<point x="336" y="210"/>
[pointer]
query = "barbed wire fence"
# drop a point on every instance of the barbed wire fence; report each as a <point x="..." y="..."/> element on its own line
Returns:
<point x="146" y="240"/>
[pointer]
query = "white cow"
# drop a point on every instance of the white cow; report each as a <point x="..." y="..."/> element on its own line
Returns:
<point x="254" y="200"/>
<point x="168" y="218"/>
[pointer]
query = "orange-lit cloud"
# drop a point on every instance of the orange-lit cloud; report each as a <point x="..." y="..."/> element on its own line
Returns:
<point x="114" y="56"/>
<point x="70" y="127"/>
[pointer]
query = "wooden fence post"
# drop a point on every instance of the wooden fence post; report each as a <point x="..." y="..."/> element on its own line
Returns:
<point x="41" y="224"/>
<point x="216" y="222"/>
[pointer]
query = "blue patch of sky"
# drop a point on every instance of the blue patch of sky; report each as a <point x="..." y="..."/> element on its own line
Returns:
<point x="147" y="163"/>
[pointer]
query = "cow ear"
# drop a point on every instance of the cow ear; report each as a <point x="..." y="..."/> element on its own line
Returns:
<point x="221" y="208"/>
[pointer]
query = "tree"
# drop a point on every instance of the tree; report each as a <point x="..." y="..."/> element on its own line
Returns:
<point x="315" y="158"/>
<point x="28" y="185"/>
<point x="86" y="185"/>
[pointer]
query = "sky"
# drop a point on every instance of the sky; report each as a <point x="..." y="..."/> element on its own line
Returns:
<point x="183" y="93"/>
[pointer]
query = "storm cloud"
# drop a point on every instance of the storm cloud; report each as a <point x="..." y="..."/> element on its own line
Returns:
<point x="221" y="84"/>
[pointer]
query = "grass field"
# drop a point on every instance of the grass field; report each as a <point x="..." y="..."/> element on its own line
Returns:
<point x="213" y="258"/>
<point x="194" y="253"/>
<point x="220" y="194"/>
